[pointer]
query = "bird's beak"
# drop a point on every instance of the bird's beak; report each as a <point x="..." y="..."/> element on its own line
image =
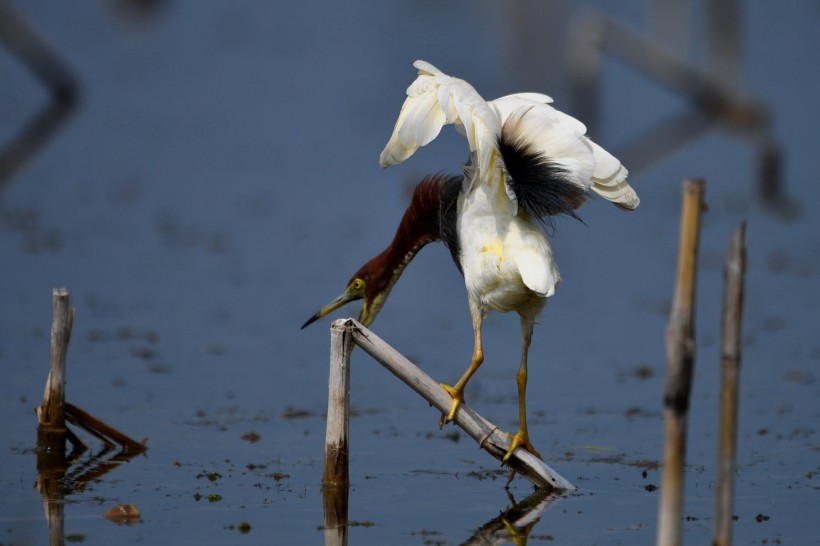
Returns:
<point x="343" y="299"/>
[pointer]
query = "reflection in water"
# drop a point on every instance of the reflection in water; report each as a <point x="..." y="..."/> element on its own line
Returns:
<point x="716" y="95"/>
<point x="335" y="502"/>
<point x="31" y="138"/>
<point x="516" y="523"/>
<point x="46" y="65"/>
<point x="61" y="474"/>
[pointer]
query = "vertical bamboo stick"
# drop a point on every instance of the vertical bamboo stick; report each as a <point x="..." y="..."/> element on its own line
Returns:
<point x="336" y="469"/>
<point x="51" y="413"/>
<point x="733" y="274"/>
<point x="336" y="475"/>
<point x="680" y="356"/>
<point x="52" y="431"/>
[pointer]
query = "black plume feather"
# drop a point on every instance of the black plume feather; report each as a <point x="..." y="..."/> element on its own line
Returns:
<point x="541" y="187"/>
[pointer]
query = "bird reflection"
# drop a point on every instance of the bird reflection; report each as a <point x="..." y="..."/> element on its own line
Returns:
<point x="515" y="523"/>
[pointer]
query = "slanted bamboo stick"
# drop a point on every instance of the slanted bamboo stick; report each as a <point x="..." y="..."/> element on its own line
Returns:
<point x="733" y="274"/>
<point x="102" y="431"/>
<point x="680" y="358"/>
<point x="488" y="436"/>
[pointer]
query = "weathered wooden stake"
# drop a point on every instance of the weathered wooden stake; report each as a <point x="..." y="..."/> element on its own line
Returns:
<point x="336" y="475"/>
<point x="489" y="437"/>
<point x="733" y="275"/>
<point x="51" y="414"/>
<point x="680" y="358"/>
<point x="336" y="470"/>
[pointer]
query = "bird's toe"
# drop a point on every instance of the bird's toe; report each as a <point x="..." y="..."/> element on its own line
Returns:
<point x="458" y="399"/>
<point x="521" y="440"/>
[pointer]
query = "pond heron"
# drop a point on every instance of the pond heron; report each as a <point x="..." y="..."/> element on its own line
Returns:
<point x="528" y="163"/>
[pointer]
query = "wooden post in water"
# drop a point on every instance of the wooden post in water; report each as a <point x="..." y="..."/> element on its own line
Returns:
<point x="51" y="414"/>
<point x="731" y="336"/>
<point x="336" y="469"/>
<point x="680" y="358"/>
<point x="336" y="474"/>
<point x="51" y="430"/>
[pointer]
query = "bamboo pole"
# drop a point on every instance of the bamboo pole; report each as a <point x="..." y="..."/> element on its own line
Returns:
<point x="336" y="468"/>
<point x="489" y="437"/>
<point x="733" y="275"/>
<point x="680" y="357"/>
<point x="102" y="431"/>
<point x="51" y="414"/>
<point x="336" y="474"/>
<point x="52" y="431"/>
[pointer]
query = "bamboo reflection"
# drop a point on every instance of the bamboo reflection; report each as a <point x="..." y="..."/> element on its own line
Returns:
<point x="715" y="93"/>
<point x="45" y="64"/>
<point x="61" y="474"/>
<point x="335" y="503"/>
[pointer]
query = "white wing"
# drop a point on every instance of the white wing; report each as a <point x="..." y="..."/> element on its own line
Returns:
<point x="435" y="99"/>
<point x="561" y="138"/>
<point x="609" y="179"/>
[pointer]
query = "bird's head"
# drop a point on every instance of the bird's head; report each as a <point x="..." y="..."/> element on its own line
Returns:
<point x="364" y="285"/>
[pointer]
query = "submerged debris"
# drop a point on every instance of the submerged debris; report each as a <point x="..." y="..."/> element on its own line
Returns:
<point x="123" y="514"/>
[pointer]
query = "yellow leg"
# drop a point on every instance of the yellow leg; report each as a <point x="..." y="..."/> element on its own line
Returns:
<point x="522" y="437"/>
<point x="457" y="390"/>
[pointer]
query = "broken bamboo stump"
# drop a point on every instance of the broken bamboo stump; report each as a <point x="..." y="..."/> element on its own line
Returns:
<point x="731" y="334"/>
<point x="51" y="431"/>
<point x="53" y="413"/>
<point x="680" y="358"/>
<point x="489" y="437"/>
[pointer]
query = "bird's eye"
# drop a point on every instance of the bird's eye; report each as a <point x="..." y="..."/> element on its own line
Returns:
<point x="358" y="286"/>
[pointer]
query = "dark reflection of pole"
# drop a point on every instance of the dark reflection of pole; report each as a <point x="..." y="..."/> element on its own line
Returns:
<point x="716" y="96"/>
<point x="515" y="523"/>
<point x="669" y="22"/>
<point x="22" y="40"/>
<point x="136" y="11"/>
<point x="536" y="43"/>
<point x="724" y="39"/>
<point x="51" y="468"/>
<point x="334" y="500"/>
<point x="32" y="138"/>
<point x="662" y="139"/>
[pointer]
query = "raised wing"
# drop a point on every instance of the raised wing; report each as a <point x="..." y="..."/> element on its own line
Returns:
<point x="609" y="179"/>
<point x="545" y="149"/>
<point x="560" y="140"/>
<point x="435" y="99"/>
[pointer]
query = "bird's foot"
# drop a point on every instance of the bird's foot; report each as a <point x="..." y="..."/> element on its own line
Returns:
<point x="522" y="440"/>
<point x="458" y="399"/>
